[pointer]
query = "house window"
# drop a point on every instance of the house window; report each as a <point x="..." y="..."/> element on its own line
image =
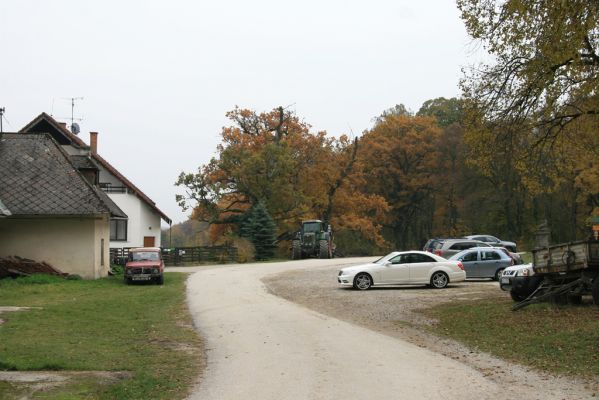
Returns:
<point x="118" y="229"/>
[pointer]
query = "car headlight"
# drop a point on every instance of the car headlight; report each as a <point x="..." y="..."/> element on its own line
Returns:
<point x="524" y="272"/>
<point x="154" y="270"/>
<point x="340" y="273"/>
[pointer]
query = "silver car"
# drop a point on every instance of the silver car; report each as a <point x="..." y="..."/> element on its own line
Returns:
<point x="483" y="262"/>
<point x="493" y="241"/>
<point x="448" y="247"/>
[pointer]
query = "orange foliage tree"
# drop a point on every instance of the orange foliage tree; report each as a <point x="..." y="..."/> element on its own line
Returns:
<point x="273" y="157"/>
<point x="399" y="158"/>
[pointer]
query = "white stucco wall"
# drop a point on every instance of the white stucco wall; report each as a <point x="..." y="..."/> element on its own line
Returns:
<point x="143" y="220"/>
<point x="72" y="245"/>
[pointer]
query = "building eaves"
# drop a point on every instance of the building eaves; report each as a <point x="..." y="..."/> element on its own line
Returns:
<point x="131" y="186"/>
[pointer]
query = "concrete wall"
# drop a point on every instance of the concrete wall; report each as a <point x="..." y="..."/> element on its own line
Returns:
<point x="72" y="245"/>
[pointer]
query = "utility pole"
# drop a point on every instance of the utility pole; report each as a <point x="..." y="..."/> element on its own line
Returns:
<point x="2" y="109"/>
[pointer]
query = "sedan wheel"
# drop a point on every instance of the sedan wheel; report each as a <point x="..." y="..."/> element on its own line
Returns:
<point x="362" y="281"/>
<point x="439" y="280"/>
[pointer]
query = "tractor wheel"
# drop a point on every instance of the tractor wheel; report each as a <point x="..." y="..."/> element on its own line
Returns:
<point x="296" y="251"/>
<point x="595" y="290"/>
<point x="324" y="249"/>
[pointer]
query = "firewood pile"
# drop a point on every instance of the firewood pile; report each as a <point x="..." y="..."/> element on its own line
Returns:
<point x="15" y="266"/>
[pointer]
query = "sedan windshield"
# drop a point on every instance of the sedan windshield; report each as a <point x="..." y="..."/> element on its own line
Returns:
<point x="385" y="258"/>
<point x="144" y="256"/>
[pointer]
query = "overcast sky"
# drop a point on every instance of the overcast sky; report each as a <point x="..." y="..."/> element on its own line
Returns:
<point x="157" y="77"/>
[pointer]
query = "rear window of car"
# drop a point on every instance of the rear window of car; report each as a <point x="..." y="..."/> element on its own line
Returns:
<point x="462" y="246"/>
<point x="437" y="245"/>
<point x="490" y="255"/>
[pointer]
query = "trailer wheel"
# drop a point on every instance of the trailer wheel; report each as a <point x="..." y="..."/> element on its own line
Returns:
<point x="575" y="299"/>
<point x="559" y="299"/>
<point x="595" y="290"/>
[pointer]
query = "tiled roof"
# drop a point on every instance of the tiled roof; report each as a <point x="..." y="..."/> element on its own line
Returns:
<point x="83" y="162"/>
<point x="115" y="211"/>
<point x="46" y="124"/>
<point x="37" y="178"/>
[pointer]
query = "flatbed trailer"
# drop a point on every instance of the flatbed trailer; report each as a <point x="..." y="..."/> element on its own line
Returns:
<point x="569" y="271"/>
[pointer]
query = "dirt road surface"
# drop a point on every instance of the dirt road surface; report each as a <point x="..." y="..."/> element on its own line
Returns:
<point x="260" y="346"/>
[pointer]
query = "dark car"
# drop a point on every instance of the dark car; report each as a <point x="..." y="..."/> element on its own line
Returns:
<point x="144" y="264"/>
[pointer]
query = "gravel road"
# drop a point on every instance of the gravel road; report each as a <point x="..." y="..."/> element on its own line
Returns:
<point x="262" y="346"/>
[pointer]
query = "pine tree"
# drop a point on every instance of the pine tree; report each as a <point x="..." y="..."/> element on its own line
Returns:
<point x="259" y="228"/>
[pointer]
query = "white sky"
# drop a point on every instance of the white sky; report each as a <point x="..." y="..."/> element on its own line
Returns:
<point x="158" y="76"/>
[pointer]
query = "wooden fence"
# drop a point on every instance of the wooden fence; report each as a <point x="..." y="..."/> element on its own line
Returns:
<point x="183" y="255"/>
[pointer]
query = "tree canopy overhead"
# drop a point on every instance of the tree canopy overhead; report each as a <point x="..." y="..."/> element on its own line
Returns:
<point x="545" y="72"/>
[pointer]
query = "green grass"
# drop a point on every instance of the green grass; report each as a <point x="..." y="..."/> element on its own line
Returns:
<point x="101" y="325"/>
<point x="561" y="340"/>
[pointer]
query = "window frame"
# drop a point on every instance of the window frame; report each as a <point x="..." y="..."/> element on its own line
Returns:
<point x="115" y="233"/>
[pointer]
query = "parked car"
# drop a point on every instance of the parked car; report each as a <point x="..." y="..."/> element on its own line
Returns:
<point x="403" y="268"/>
<point x="430" y="244"/>
<point x="483" y="262"/>
<point x="144" y="264"/>
<point x="517" y="258"/>
<point x="493" y="241"/>
<point x="448" y="247"/>
<point x="520" y="281"/>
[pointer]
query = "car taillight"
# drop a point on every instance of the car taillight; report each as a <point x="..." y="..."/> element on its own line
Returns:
<point x="438" y="252"/>
<point x="460" y="266"/>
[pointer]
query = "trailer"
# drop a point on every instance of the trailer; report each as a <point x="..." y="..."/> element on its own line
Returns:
<point x="568" y="271"/>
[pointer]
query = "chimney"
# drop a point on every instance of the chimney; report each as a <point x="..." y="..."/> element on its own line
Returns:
<point x="93" y="142"/>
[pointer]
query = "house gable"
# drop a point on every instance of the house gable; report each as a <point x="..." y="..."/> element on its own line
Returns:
<point x="44" y="123"/>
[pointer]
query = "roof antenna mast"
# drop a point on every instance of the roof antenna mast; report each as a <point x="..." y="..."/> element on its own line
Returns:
<point x="2" y="109"/>
<point x="74" y="126"/>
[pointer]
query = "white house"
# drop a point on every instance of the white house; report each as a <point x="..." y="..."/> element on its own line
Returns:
<point x="140" y="226"/>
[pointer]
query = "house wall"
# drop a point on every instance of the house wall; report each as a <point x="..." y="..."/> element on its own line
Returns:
<point x="143" y="221"/>
<point x="72" y="245"/>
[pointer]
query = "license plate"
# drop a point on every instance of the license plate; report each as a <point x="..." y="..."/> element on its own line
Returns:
<point x="141" y="277"/>
<point x="505" y="280"/>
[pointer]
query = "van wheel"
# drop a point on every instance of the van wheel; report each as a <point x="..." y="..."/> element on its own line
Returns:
<point x="160" y="280"/>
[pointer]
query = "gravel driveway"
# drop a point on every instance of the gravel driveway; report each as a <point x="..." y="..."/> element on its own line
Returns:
<point x="339" y="343"/>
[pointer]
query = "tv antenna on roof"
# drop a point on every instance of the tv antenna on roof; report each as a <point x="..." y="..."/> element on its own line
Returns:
<point x="3" y="118"/>
<point x="74" y="126"/>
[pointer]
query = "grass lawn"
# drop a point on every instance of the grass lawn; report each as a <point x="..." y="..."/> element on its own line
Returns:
<point x="562" y="340"/>
<point x="101" y="325"/>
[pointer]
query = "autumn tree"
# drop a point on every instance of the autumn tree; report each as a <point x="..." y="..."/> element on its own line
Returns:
<point x="545" y="69"/>
<point x="399" y="157"/>
<point x="533" y="112"/>
<point x="273" y="157"/>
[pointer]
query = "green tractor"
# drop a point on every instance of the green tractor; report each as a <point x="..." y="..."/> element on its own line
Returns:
<point x="314" y="239"/>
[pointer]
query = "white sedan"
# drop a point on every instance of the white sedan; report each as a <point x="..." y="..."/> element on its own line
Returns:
<point x="403" y="268"/>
